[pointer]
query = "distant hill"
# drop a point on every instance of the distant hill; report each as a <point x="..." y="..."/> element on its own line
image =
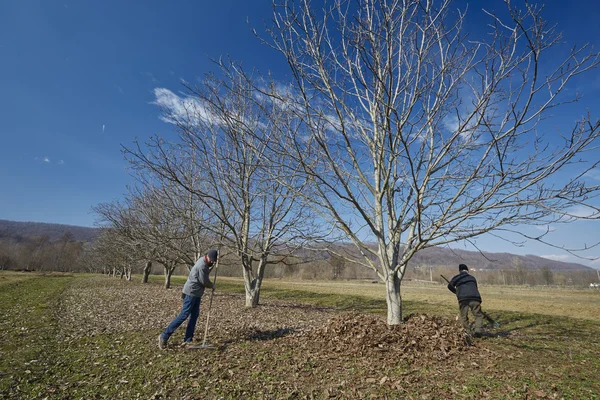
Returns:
<point x="486" y="260"/>
<point x="445" y="257"/>
<point x="23" y="230"/>
<point x="436" y="256"/>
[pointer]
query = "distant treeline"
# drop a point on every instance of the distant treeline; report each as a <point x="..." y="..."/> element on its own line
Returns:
<point x="336" y="268"/>
<point x="40" y="253"/>
<point x="61" y="250"/>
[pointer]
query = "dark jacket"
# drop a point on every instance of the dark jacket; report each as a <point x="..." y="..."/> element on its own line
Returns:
<point x="465" y="287"/>
<point x="198" y="279"/>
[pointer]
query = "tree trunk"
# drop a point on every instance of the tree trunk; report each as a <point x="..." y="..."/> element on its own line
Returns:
<point x="168" y="273"/>
<point x="249" y="287"/>
<point x="147" y="270"/>
<point x="252" y="296"/>
<point x="393" y="299"/>
<point x="252" y="285"/>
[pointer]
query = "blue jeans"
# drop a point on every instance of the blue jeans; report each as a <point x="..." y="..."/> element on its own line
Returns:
<point x="190" y="308"/>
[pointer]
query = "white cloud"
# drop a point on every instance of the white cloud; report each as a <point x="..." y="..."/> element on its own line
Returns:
<point x="450" y="123"/>
<point x="151" y="77"/>
<point x="180" y="109"/>
<point x="545" y="228"/>
<point x="61" y="162"/>
<point x="581" y="212"/>
<point x="595" y="263"/>
<point x="557" y="257"/>
<point x="103" y="126"/>
<point x="583" y="260"/>
<point x="46" y="159"/>
<point x="593" y="174"/>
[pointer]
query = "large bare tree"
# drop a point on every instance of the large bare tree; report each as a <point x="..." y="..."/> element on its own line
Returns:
<point x="222" y="128"/>
<point x="417" y="135"/>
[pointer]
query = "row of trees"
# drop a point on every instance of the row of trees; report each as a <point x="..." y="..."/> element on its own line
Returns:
<point x="108" y="256"/>
<point x="396" y="129"/>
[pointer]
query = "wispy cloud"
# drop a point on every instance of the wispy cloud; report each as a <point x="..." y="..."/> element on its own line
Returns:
<point x="557" y="257"/>
<point x="545" y="228"/>
<point x="581" y="212"/>
<point x="119" y="89"/>
<point x="47" y="160"/>
<point x="182" y="109"/>
<point x="151" y="76"/>
<point x="103" y="127"/>
<point x="590" y="261"/>
<point x="593" y="174"/>
<point x="451" y="123"/>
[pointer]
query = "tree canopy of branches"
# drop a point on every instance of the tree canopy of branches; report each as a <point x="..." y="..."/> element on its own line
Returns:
<point x="158" y="223"/>
<point x="416" y="135"/>
<point x="222" y="129"/>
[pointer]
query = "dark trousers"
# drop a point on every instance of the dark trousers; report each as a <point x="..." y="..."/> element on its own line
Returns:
<point x="475" y="307"/>
<point x="190" y="308"/>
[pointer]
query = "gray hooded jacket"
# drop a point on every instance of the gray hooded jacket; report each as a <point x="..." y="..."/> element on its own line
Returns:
<point x="198" y="279"/>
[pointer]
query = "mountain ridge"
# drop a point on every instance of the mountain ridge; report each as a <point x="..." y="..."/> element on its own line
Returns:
<point x="20" y="230"/>
<point x="436" y="256"/>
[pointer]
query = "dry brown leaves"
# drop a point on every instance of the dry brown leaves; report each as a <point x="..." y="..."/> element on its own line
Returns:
<point x="299" y="348"/>
<point x="436" y="337"/>
<point x="110" y="306"/>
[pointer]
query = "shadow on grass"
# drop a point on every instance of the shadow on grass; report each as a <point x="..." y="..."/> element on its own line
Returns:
<point x="256" y="336"/>
<point x="539" y="329"/>
<point x="297" y="306"/>
<point x="328" y="300"/>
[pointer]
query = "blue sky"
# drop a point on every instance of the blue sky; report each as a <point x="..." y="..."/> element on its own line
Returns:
<point x="77" y="80"/>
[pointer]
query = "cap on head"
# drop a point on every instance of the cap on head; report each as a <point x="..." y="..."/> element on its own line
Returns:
<point x="212" y="255"/>
<point x="462" y="267"/>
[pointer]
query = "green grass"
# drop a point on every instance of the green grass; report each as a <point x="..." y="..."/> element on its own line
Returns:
<point x="27" y="332"/>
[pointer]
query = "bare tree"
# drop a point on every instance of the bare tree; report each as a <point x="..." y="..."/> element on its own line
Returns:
<point x="415" y="136"/>
<point x="160" y="223"/>
<point x="337" y="265"/>
<point x="547" y="276"/>
<point x="110" y="252"/>
<point x="222" y="128"/>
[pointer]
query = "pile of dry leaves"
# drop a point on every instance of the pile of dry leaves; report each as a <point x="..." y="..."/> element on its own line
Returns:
<point x="356" y="333"/>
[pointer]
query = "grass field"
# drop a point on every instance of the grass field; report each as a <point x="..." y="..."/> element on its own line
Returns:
<point x="82" y="336"/>
<point x="575" y="303"/>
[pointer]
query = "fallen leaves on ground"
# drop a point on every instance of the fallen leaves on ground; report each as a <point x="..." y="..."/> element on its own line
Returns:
<point x="106" y="333"/>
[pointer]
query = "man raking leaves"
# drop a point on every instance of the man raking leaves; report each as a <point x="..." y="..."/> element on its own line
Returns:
<point x="205" y="345"/>
<point x="197" y="281"/>
<point x="464" y="285"/>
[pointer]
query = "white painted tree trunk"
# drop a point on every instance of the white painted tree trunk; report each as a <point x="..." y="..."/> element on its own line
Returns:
<point x="253" y="284"/>
<point x="393" y="299"/>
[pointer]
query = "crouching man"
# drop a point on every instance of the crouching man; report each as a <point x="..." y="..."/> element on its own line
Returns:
<point x="464" y="285"/>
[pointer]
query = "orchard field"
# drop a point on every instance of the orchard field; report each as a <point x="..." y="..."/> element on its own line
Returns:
<point x="89" y="336"/>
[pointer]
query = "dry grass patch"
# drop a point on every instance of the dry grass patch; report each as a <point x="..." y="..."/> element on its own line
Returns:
<point x="574" y="303"/>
